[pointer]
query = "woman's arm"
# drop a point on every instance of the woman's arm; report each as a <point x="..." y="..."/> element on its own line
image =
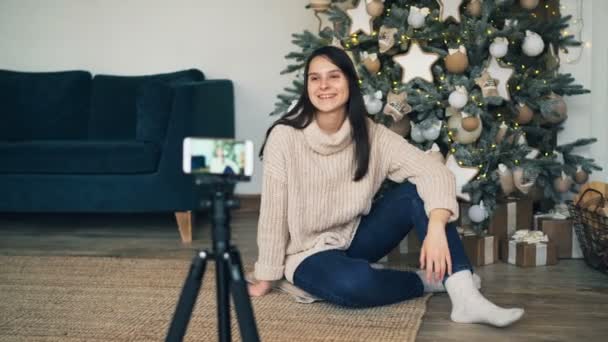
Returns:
<point x="273" y="232"/>
<point x="435" y="183"/>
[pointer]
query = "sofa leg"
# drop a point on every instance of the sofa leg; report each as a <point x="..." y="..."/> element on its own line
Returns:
<point x="184" y="225"/>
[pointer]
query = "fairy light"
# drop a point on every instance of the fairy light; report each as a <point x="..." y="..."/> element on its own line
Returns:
<point x="537" y="72"/>
<point x="518" y="87"/>
<point x="453" y="150"/>
<point x="374" y="33"/>
<point x="460" y="163"/>
<point x="516" y="161"/>
<point x="499" y="115"/>
<point x="493" y="145"/>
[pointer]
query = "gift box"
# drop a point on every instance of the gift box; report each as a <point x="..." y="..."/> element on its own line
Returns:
<point x="410" y="244"/>
<point x="481" y="250"/>
<point x="509" y="216"/>
<point x="463" y="217"/>
<point x="561" y="232"/>
<point x="529" y="249"/>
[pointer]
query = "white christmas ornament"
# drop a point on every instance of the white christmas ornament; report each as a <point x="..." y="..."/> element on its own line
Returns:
<point x="416" y="134"/>
<point x="502" y="74"/>
<point x="417" y="16"/>
<point x="459" y="97"/>
<point x="432" y="133"/>
<point x="462" y="174"/>
<point x="360" y="19"/>
<point x="478" y="212"/>
<point x="499" y="47"/>
<point x="533" y="44"/>
<point x="416" y="63"/>
<point x="449" y="9"/>
<point x="373" y="103"/>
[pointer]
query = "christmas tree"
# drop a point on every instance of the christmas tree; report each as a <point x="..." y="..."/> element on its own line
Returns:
<point x="474" y="83"/>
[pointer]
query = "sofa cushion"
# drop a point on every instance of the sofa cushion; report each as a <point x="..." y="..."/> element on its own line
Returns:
<point x="78" y="157"/>
<point x="114" y="98"/>
<point x="154" y="102"/>
<point x="44" y="105"/>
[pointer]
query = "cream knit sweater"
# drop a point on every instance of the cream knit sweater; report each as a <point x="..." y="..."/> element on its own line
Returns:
<point x="310" y="202"/>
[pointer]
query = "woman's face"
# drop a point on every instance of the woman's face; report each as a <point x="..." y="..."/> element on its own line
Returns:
<point x="327" y="86"/>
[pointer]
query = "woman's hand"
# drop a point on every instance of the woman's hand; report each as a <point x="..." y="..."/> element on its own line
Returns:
<point x="435" y="253"/>
<point x="259" y="288"/>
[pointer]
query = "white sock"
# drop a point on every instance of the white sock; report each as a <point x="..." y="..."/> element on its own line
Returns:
<point x="470" y="306"/>
<point x="438" y="286"/>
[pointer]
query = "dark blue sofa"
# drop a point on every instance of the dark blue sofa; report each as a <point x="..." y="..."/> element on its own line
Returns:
<point x="70" y="142"/>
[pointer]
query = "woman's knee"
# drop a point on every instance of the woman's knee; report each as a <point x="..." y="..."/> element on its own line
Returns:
<point x="355" y="288"/>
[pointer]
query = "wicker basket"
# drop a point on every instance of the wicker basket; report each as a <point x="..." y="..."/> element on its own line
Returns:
<point x="591" y="229"/>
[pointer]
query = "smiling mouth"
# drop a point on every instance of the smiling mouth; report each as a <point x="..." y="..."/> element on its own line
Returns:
<point x="326" y="97"/>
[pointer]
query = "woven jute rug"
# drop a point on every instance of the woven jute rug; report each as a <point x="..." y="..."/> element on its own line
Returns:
<point x="118" y="299"/>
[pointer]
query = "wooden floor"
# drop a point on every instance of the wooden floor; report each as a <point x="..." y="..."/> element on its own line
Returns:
<point x="566" y="302"/>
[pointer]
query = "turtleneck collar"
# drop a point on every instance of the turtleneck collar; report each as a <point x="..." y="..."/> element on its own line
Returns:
<point x="324" y="143"/>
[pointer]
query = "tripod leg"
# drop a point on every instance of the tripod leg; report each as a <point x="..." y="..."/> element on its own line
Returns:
<point x="223" y="297"/>
<point x="187" y="299"/>
<point x="242" y="302"/>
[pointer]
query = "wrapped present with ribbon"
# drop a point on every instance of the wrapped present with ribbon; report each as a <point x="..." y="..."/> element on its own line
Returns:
<point x="560" y="229"/>
<point x="528" y="248"/>
<point x="510" y="215"/>
<point x="481" y="250"/>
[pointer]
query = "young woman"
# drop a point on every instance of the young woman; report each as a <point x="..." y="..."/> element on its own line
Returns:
<point x="323" y="163"/>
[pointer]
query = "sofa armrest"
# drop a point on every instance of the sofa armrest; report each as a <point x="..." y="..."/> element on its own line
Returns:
<point x="203" y="109"/>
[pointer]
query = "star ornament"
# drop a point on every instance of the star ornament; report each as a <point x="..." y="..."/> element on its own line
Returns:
<point x="360" y="19"/>
<point x="502" y="74"/>
<point x="463" y="174"/>
<point x="449" y="9"/>
<point x="416" y="64"/>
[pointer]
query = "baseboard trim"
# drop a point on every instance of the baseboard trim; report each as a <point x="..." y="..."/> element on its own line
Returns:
<point x="249" y="202"/>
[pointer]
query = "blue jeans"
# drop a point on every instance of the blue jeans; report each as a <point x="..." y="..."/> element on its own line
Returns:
<point x="345" y="277"/>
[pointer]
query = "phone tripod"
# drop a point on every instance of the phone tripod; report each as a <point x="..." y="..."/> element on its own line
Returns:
<point x="228" y="271"/>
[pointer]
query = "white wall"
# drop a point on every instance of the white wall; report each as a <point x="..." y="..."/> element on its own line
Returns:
<point x="241" y="40"/>
<point x="588" y="115"/>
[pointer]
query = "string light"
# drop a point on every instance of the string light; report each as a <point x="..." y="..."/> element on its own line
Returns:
<point x="379" y="73"/>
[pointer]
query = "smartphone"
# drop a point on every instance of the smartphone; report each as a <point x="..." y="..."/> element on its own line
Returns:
<point x="228" y="158"/>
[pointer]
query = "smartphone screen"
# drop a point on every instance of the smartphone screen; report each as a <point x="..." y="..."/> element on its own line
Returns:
<point x="224" y="157"/>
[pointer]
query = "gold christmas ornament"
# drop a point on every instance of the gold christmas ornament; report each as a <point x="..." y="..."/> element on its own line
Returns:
<point x="461" y="135"/>
<point x="474" y="8"/>
<point x="505" y="178"/>
<point x="457" y="60"/>
<point x="371" y="62"/>
<point x="581" y="177"/>
<point x="463" y="175"/>
<point x="449" y="9"/>
<point x="487" y="85"/>
<point x="375" y="8"/>
<point x="563" y="183"/>
<point x="360" y="20"/>
<point x="502" y="131"/>
<point x="521" y="182"/>
<point x="502" y="74"/>
<point x="558" y="110"/>
<point x="401" y="127"/>
<point x="435" y="153"/>
<point x="320" y="5"/>
<point x="416" y="64"/>
<point x="386" y="38"/>
<point x="528" y="4"/>
<point x="470" y="123"/>
<point x="397" y="106"/>
<point x="524" y="114"/>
